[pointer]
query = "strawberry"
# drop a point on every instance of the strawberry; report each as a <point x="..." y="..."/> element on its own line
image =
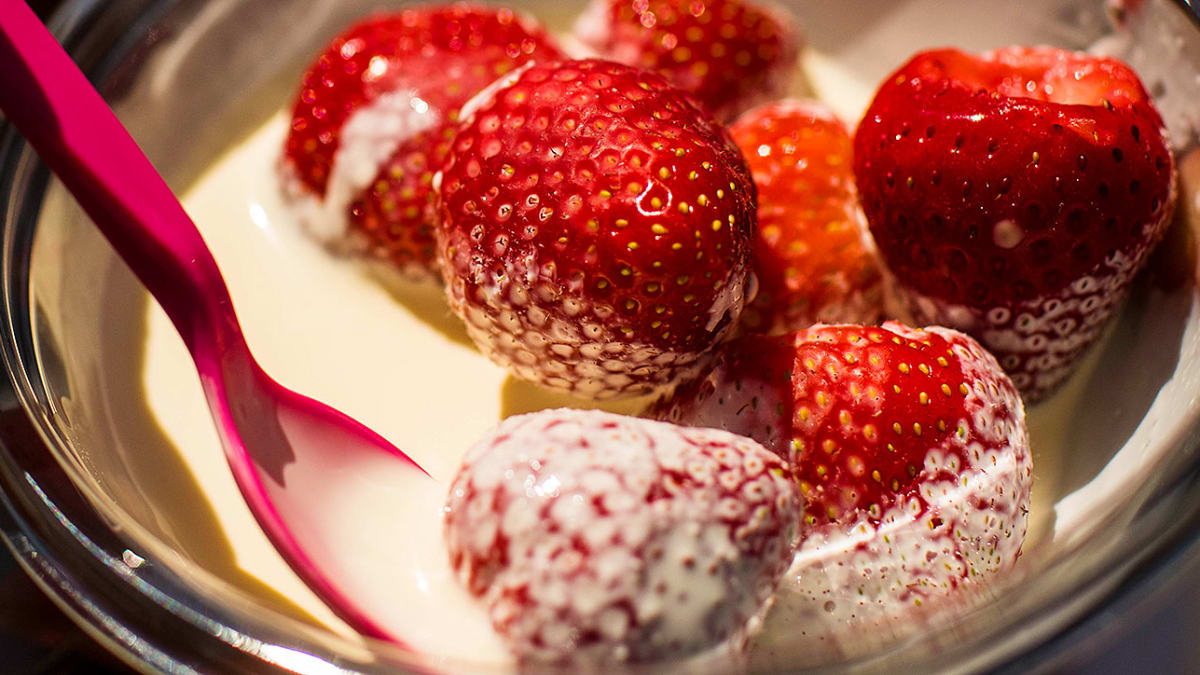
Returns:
<point x="596" y="229"/>
<point x="375" y="116"/>
<point x="599" y="539"/>
<point x="813" y="256"/>
<point x="730" y="54"/>
<point x="1015" y="195"/>
<point x="909" y="448"/>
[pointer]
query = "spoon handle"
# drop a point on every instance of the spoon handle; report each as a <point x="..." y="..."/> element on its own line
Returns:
<point x="47" y="98"/>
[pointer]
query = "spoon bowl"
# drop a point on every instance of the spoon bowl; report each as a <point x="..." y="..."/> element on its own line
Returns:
<point x="294" y="459"/>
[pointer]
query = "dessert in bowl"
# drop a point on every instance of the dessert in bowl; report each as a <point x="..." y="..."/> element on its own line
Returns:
<point x="396" y="359"/>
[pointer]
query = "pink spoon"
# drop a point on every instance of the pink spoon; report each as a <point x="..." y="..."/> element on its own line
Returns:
<point x="291" y="456"/>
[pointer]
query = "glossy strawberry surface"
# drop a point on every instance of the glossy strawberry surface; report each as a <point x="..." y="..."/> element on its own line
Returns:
<point x="597" y="539"/>
<point x="413" y="70"/>
<point x="813" y="257"/>
<point x="730" y="54"/>
<point x="1014" y="195"/>
<point x="596" y="229"/>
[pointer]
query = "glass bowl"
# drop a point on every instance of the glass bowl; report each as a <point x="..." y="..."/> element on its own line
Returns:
<point x="126" y="534"/>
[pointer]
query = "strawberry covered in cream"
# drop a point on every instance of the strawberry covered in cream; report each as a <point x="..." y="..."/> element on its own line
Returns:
<point x="909" y="448"/>
<point x="375" y="116"/>
<point x="597" y="539"/>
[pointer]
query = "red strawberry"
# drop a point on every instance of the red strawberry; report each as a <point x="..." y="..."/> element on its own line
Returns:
<point x="376" y="113"/>
<point x="596" y="229"/>
<point x="1015" y="195"/>
<point x="910" y="450"/>
<point x="813" y="256"/>
<point x="730" y="54"/>
<point x="600" y="539"/>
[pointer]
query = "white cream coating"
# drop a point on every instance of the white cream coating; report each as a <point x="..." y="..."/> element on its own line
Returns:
<point x="608" y="484"/>
<point x="856" y="588"/>
<point x="368" y="138"/>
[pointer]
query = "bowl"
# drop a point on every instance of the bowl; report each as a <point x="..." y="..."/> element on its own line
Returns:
<point x="116" y="497"/>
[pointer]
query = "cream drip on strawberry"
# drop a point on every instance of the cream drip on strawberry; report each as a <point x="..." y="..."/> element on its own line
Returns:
<point x="369" y="137"/>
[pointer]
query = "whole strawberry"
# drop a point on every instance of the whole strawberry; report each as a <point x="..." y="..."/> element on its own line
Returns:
<point x="813" y="256"/>
<point x="1015" y="195"/>
<point x="909" y="448"/>
<point x="596" y="229"/>
<point x="730" y="54"/>
<point x="600" y="539"/>
<point x="375" y="116"/>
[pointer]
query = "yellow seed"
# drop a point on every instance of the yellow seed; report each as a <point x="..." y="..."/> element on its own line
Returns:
<point x="875" y="475"/>
<point x="924" y="398"/>
<point x="828" y="445"/>
<point x="963" y="388"/>
<point x="869" y="432"/>
<point x="716" y="225"/>
<point x="804" y="414"/>
<point x="702" y="200"/>
<point x="720" y="193"/>
<point x="683" y="207"/>
<point x="917" y="428"/>
<point x="942" y="361"/>
<point x="946" y="389"/>
<point x="664" y="172"/>
<point x="632" y="245"/>
<point x="621" y="222"/>
<point x="923" y="368"/>
<point x="844" y="418"/>
<point x="822" y="399"/>
<point x="658" y="229"/>
<point x="896" y="428"/>
<point x="904" y="368"/>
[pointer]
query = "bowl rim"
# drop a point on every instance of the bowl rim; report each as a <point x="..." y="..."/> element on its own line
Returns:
<point x="156" y="621"/>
